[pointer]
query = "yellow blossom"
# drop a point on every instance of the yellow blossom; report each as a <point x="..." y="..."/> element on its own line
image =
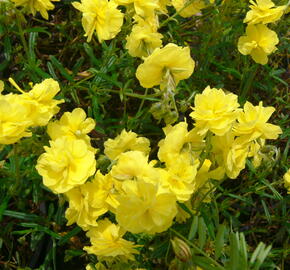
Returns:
<point x="263" y="11"/>
<point x="178" y="140"/>
<point x="187" y="10"/>
<point x="41" y="103"/>
<point x="107" y="190"/>
<point x="145" y="207"/>
<point x="132" y="164"/>
<point x="286" y="178"/>
<point x="66" y="164"/>
<point x="230" y="153"/>
<point x="73" y="125"/>
<point x="14" y="119"/>
<point x="170" y="60"/>
<point x="85" y="206"/>
<point x="252" y="122"/>
<point x="214" y="110"/>
<point x="179" y="177"/>
<point x="126" y="141"/>
<point x="259" y="42"/>
<point x="107" y="241"/>
<point x="33" y="6"/>
<point x="144" y="8"/>
<point x="143" y="40"/>
<point x="101" y="16"/>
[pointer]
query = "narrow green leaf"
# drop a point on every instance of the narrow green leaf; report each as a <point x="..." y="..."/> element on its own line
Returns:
<point x="260" y="247"/>
<point x="243" y="252"/>
<point x="193" y="228"/>
<point x="61" y="68"/>
<point x="234" y="252"/>
<point x="219" y="241"/>
<point x="201" y="233"/>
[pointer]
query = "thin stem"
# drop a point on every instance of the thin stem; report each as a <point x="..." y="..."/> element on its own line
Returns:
<point x="142" y="101"/>
<point x="176" y="13"/>
<point x="21" y="34"/>
<point x="145" y="97"/>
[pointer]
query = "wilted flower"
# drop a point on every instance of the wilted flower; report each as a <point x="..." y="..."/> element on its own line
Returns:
<point x="259" y="42"/>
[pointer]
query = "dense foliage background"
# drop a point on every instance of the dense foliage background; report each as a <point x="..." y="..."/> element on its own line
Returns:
<point x="100" y="78"/>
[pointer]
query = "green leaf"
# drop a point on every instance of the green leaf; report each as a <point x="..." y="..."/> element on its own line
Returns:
<point x="193" y="228"/>
<point x="219" y="241"/>
<point x="61" y="68"/>
<point x="201" y="233"/>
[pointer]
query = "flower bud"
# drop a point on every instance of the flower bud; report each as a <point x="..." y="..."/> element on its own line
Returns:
<point x="181" y="250"/>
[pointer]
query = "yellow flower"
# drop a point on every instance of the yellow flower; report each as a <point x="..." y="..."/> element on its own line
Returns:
<point x="286" y="178"/>
<point x="178" y="140"/>
<point x="215" y="111"/>
<point x="143" y="40"/>
<point x="259" y="42"/>
<point x="170" y="60"/>
<point x="73" y="125"/>
<point x="34" y="6"/>
<point x="85" y="206"/>
<point x="107" y="241"/>
<point x="14" y="119"/>
<point x="132" y="164"/>
<point x="126" y="141"/>
<point x="66" y="164"/>
<point x="252" y="123"/>
<point x="41" y="103"/>
<point x="145" y="207"/>
<point x="107" y="190"/>
<point x="230" y="153"/>
<point x="190" y="9"/>
<point x="179" y="177"/>
<point x="144" y="8"/>
<point x="102" y="16"/>
<point x="263" y="11"/>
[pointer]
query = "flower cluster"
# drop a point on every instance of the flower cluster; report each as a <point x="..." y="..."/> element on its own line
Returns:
<point x="19" y="112"/>
<point x="259" y="40"/>
<point x="141" y="194"/>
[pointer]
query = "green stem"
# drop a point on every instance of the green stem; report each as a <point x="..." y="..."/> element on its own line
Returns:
<point x="142" y="101"/>
<point x="21" y="34"/>
<point x="145" y="97"/>
<point x="176" y="13"/>
<point x="197" y="249"/>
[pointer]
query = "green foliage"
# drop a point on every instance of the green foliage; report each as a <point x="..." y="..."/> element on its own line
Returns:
<point x="246" y="226"/>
